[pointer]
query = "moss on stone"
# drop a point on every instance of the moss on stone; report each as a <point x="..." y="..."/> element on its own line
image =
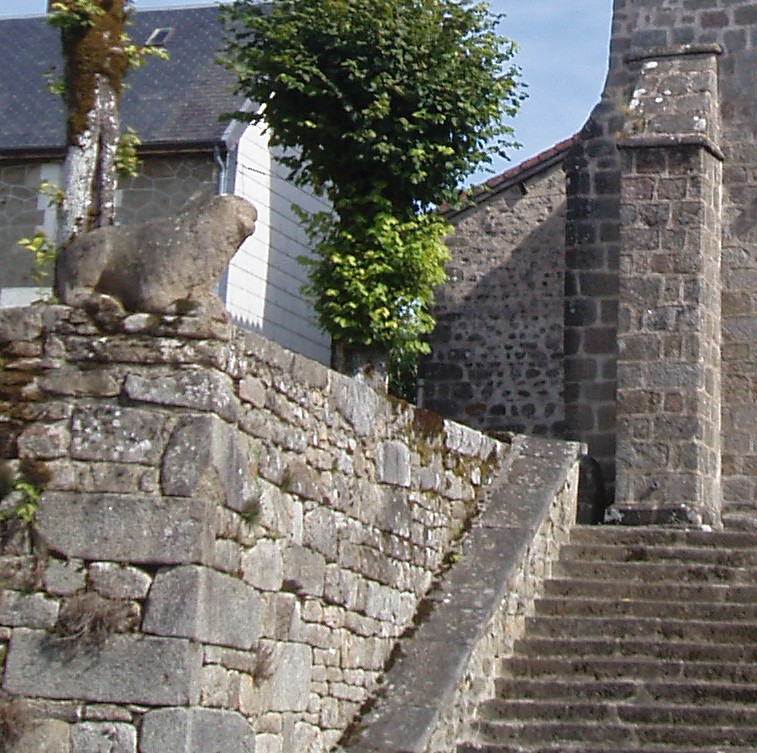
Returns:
<point x="90" y="51"/>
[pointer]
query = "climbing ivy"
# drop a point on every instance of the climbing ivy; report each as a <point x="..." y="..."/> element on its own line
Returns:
<point x="372" y="279"/>
<point x="383" y="107"/>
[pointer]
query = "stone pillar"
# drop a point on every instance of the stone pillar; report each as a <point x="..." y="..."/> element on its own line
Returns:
<point x="669" y="395"/>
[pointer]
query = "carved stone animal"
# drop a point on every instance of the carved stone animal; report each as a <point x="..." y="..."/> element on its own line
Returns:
<point x="163" y="266"/>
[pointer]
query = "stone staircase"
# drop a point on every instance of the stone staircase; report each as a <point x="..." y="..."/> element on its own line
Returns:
<point x="645" y="640"/>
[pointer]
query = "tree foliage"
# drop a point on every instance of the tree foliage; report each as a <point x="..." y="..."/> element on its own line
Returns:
<point x="385" y="107"/>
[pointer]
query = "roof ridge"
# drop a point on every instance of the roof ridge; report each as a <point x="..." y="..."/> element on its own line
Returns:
<point x="543" y="156"/>
<point x="510" y="176"/>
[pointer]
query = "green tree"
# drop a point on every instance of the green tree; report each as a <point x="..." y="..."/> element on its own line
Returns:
<point x="384" y="107"/>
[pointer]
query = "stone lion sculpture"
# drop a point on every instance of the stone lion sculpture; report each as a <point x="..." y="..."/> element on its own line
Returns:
<point x="164" y="266"/>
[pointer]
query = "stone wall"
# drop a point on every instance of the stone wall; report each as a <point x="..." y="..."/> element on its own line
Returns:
<point x="496" y="361"/>
<point x="229" y="541"/>
<point x="669" y="327"/>
<point x="478" y="609"/>
<point x="641" y="28"/>
<point x="459" y="382"/>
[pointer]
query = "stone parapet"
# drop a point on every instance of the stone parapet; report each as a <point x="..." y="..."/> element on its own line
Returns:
<point x="477" y="610"/>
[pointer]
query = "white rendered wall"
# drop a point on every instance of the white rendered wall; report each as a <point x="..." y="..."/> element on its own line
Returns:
<point x="265" y="278"/>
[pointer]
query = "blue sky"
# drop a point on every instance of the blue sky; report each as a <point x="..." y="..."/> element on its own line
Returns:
<point x="563" y="54"/>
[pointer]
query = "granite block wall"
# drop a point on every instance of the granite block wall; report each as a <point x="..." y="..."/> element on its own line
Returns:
<point x="669" y="330"/>
<point x="642" y="28"/>
<point x="228" y="538"/>
<point x="461" y="383"/>
<point x="497" y="351"/>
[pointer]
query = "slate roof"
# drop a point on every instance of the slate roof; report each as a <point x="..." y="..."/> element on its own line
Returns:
<point x="171" y="104"/>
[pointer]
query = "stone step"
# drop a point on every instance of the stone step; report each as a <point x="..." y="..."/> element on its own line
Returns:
<point x="723" y="653"/>
<point x="678" y="610"/>
<point x="662" y="629"/>
<point x="526" y="734"/>
<point x="574" y="689"/>
<point x="633" y="668"/>
<point x="655" y="572"/>
<point x="609" y="712"/>
<point x="641" y="536"/>
<point x="583" y="747"/>
<point x="740" y="520"/>
<point x="672" y="591"/>
<point x="731" y="557"/>
<point x="645" y="641"/>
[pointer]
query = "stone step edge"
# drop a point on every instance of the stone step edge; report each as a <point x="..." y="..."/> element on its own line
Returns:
<point x="620" y="535"/>
<point x="651" y="621"/>
<point x="594" y="584"/>
<point x="675" y="555"/>
<point x="609" y="703"/>
<point x="660" y="567"/>
<point x="572" y="747"/>
<point x="657" y="685"/>
<point x="588" y="601"/>
<point x="605" y="725"/>
<point x="629" y="607"/>
<point x="645" y="649"/>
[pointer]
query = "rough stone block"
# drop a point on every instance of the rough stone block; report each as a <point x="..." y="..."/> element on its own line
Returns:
<point x="289" y="687"/>
<point x="202" y="604"/>
<point x="204" y="457"/>
<point x="48" y="736"/>
<point x="64" y="577"/>
<point x="263" y="565"/>
<point x="104" y="737"/>
<point x="119" y="581"/>
<point x="124" y="528"/>
<point x="78" y="383"/>
<point x="357" y="403"/>
<point x="200" y="389"/>
<point x="220" y="687"/>
<point x="117" y="434"/>
<point x="44" y="441"/>
<point x="394" y="463"/>
<point x="196" y="730"/>
<point x="124" y="669"/>
<point x="27" y="610"/>
<point x="306" y="569"/>
<point x="463" y="440"/>
<point x="252" y="390"/>
<point x="20" y="323"/>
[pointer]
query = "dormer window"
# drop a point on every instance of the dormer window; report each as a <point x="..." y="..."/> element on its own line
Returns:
<point x="159" y="37"/>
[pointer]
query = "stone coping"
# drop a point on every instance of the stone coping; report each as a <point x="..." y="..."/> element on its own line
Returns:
<point x="432" y="663"/>
<point x="677" y="50"/>
<point x="673" y="140"/>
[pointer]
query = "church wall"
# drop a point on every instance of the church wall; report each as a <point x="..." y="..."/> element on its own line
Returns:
<point x="497" y="351"/>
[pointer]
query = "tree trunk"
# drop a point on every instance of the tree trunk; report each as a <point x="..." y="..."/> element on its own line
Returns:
<point x="95" y="64"/>
<point x="89" y="172"/>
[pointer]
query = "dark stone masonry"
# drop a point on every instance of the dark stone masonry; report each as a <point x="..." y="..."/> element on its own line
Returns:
<point x="607" y="290"/>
